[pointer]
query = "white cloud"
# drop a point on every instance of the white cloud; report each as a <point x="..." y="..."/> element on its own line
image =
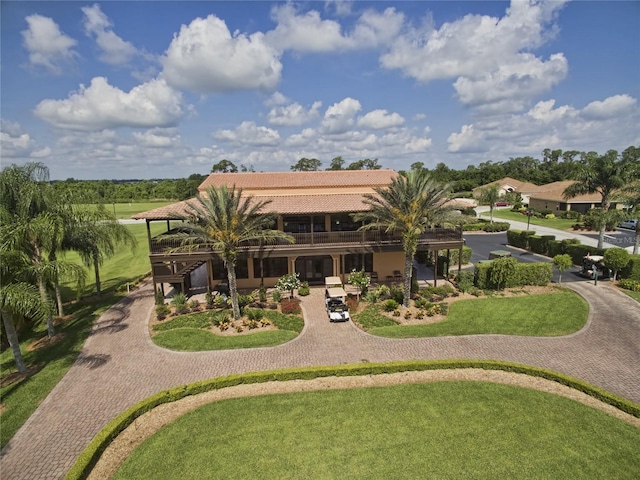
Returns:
<point x="548" y="126"/>
<point x="378" y="119"/>
<point x="101" y="106"/>
<point x="158" y="137"/>
<point x="610" y="107"/>
<point x="293" y="114"/>
<point x="248" y="133"/>
<point x="204" y="57"/>
<point x="276" y="99"/>
<point x="419" y="116"/>
<point x="341" y="7"/>
<point x="15" y="143"/>
<point x="115" y="50"/>
<point x="508" y="88"/>
<point x="340" y="117"/>
<point x="489" y="56"/>
<point x="309" y="33"/>
<point x="48" y="47"/>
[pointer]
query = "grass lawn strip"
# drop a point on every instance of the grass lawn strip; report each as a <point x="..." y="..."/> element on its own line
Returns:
<point x="542" y="315"/>
<point x="149" y="423"/>
<point x="634" y="295"/>
<point x="557" y="223"/>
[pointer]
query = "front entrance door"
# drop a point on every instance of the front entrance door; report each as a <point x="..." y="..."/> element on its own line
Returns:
<point x="314" y="269"/>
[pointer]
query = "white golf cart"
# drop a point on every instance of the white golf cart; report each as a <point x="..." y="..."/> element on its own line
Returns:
<point x="335" y="300"/>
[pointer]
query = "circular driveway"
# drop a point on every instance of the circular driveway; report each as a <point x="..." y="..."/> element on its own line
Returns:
<point x="119" y="366"/>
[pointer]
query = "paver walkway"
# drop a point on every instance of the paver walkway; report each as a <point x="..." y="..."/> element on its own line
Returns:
<point x="119" y="365"/>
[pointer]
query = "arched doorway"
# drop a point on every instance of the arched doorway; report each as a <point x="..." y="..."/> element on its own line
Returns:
<point x="313" y="269"/>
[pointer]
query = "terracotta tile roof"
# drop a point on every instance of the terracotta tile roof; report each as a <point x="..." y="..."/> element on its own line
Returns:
<point x="522" y="187"/>
<point x="554" y="192"/>
<point x="287" y="180"/>
<point x="285" y="204"/>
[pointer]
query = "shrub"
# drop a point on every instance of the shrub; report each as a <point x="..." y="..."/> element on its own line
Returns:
<point x="162" y="311"/>
<point x="194" y="305"/>
<point x="208" y="299"/>
<point x="371" y="297"/>
<point x="277" y="296"/>
<point x="179" y="301"/>
<point x="220" y="301"/>
<point x="289" y="282"/>
<point x="616" y="259"/>
<point x="390" y="305"/>
<point x="159" y="297"/>
<point x="254" y="314"/>
<point x="497" y="227"/>
<point x="454" y="256"/>
<point x="465" y="280"/>
<point x="632" y="270"/>
<point x="383" y="292"/>
<point x="422" y="303"/>
<point x="443" y="307"/>
<point x="578" y="252"/>
<point x="562" y="262"/>
<point x="304" y="289"/>
<point x="629" y="284"/>
<point x="397" y="293"/>
<point x="262" y="293"/>
<point x="290" y="306"/>
<point x="396" y="313"/>
<point x="538" y="274"/>
<point x="503" y="271"/>
<point x="519" y="238"/>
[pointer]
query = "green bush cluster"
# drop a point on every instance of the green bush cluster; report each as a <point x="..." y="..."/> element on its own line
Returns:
<point x="390" y="305"/>
<point x="579" y="251"/>
<point x="538" y="274"/>
<point x="632" y="270"/>
<point x="519" y="238"/>
<point x="304" y="289"/>
<point x="465" y="281"/>
<point x="559" y="247"/>
<point x="540" y="243"/>
<point x="630" y="284"/>
<point x="101" y="441"/>
<point x="486" y="226"/>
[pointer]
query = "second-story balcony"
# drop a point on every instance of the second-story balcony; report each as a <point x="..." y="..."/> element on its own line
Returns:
<point x="432" y="238"/>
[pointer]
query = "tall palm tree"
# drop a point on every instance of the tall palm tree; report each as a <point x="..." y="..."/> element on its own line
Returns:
<point x="412" y="202"/>
<point x="18" y="297"/>
<point x="490" y="196"/>
<point x="604" y="174"/>
<point x="223" y="220"/>
<point x="630" y="195"/>
<point x="95" y="235"/>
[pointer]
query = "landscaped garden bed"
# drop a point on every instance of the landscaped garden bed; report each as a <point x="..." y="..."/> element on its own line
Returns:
<point x="209" y="325"/>
<point x="529" y="310"/>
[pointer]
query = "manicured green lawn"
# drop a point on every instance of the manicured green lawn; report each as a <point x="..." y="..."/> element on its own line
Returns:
<point x="125" y="266"/>
<point x="431" y="430"/>
<point x="531" y="315"/>
<point x="185" y="333"/>
<point x="21" y="399"/>
<point x="559" y="223"/>
<point x="125" y="210"/>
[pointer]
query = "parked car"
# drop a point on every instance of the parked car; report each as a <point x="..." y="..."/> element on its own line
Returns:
<point x="631" y="224"/>
<point x="335" y="298"/>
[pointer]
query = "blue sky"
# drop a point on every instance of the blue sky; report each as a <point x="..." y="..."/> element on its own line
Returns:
<point x="166" y="89"/>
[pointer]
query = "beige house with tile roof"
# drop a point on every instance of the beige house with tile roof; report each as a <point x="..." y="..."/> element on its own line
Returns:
<point x="509" y="185"/>
<point x="551" y="197"/>
<point x="315" y="208"/>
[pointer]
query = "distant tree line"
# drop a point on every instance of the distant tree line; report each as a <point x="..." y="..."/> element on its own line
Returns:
<point x="555" y="165"/>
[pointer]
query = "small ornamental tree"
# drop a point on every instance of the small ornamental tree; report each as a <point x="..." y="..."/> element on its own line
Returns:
<point x="562" y="262"/>
<point x="616" y="259"/>
<point x="360" y="280"/>
<point x="289" y="282"/>
<point x="503" y="270"/>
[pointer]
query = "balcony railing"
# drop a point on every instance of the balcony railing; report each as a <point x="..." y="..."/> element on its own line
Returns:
<point x="365" y="237"/>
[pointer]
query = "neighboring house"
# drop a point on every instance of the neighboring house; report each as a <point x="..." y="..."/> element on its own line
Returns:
<point x="551" y="197"/>
<point x="315" y="208"/>
<point x="508" y="185"/>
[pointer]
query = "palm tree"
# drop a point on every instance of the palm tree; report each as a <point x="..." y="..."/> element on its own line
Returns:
<point x="223" y="220"/>
<point x="18" y="298"/>
<point x="631" y="196"/>
<point x="490" y="196"/>
<point x="95" y="235"/>
<point x="412" y="202"/>
<point x="605" y="175"/>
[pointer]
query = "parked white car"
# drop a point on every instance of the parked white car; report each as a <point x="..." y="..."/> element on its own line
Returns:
<point x="631" y="224"/>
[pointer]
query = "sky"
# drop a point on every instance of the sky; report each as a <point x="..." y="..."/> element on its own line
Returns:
<point x="165" y="89"/>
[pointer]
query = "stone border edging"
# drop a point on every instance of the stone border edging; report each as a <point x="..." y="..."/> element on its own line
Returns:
<point x="189" y="397"/>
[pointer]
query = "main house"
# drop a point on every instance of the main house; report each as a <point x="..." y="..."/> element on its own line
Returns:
<point x="315" y="208"/>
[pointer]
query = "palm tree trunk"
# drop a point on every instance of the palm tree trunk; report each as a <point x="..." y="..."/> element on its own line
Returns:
<point x="491" y="213"/>
<point x="56" y="286"/>
<point x="96" y="269"/>
<point x="233" y="290"/>
<point x="408" y="270"/>
<point x="45" y="300"/>
<point x="12" y="336"/>
<point x="601" y="235"/>
<point x="636" y="244"/>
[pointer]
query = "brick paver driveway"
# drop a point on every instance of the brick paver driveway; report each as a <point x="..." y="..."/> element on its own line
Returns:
<point x="119" y="366"/>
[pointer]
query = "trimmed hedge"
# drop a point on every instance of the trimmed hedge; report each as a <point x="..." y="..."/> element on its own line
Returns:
<point x="579" y="251"/>
<point x="538" y="274"/>
<point x="519" y="238"/>
<point x="486" y="226"/>
<point x="540" y="244"/>
<point x="101" y="441"/>
<point x="632" y="270"/>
